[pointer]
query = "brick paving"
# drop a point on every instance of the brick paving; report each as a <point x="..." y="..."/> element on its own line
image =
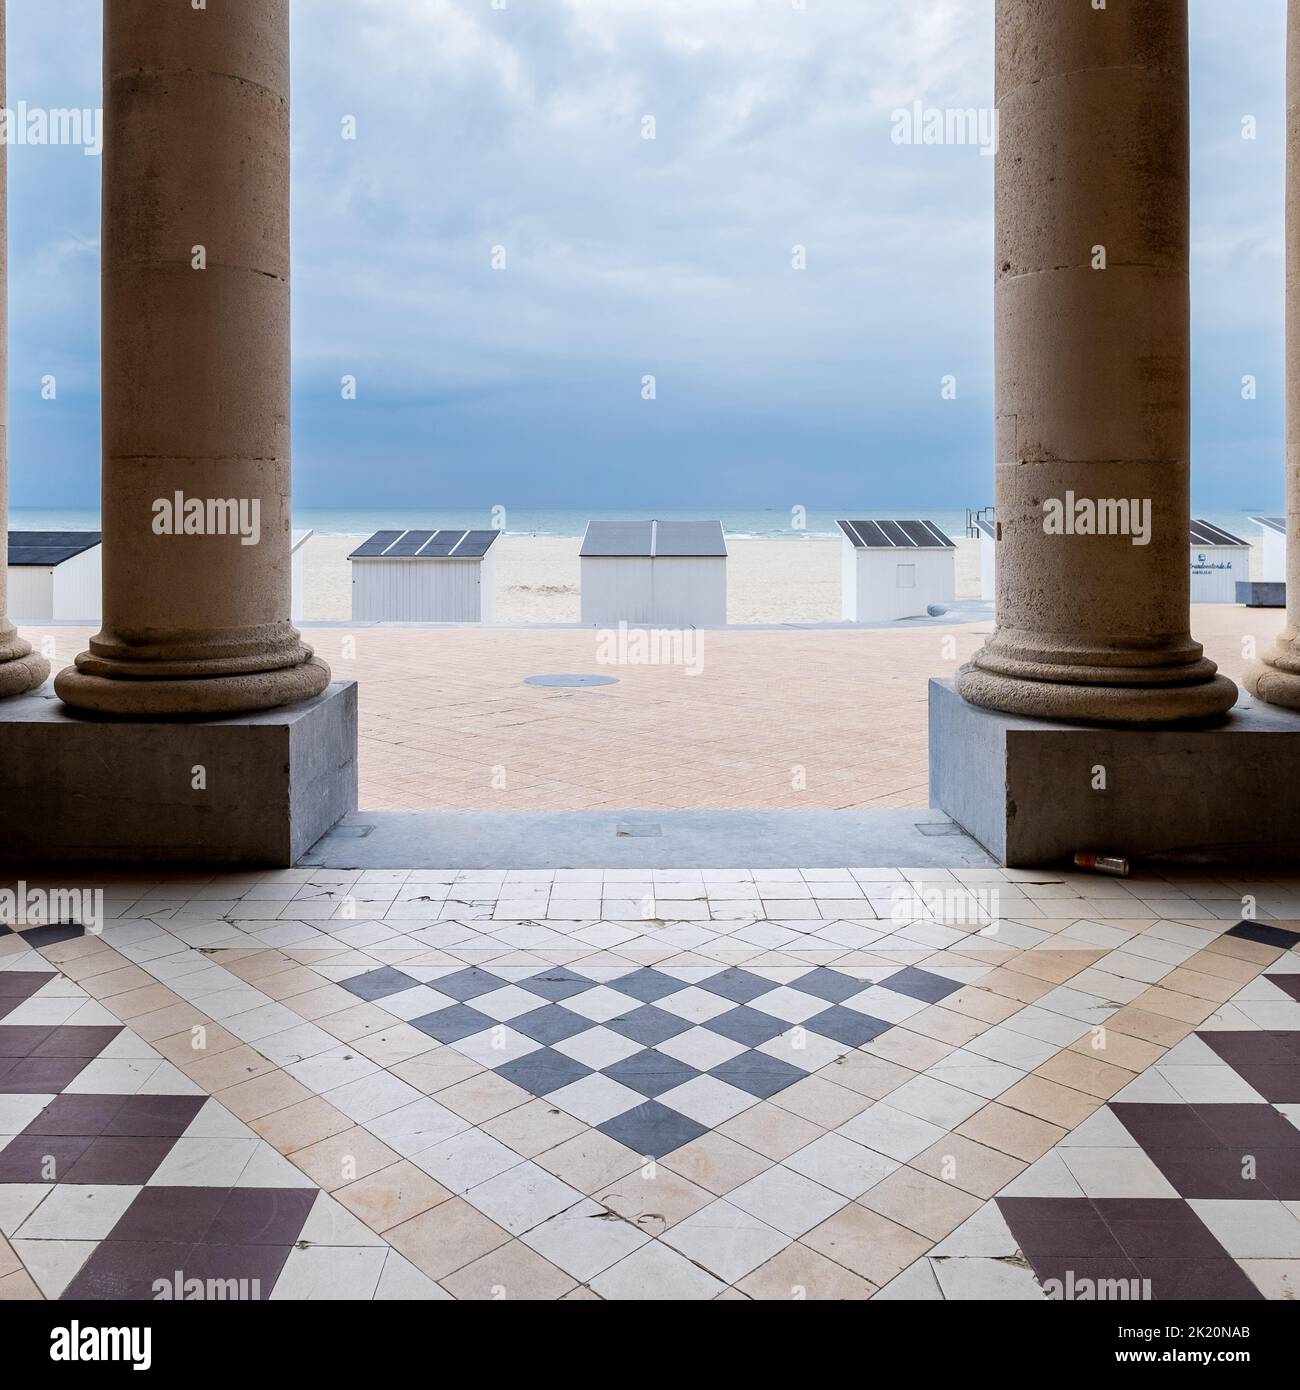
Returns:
<point x="776" y="719"/>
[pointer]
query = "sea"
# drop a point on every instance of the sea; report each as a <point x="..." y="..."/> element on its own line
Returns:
<point x="755" y="524"/>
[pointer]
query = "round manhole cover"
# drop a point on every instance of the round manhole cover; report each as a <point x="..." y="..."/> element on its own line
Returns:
<point x="571" y="680"/>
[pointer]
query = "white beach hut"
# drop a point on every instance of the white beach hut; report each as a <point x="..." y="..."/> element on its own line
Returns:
<point x="425" y="577"/>
<point x="894" y="569"/>
<point x="665" y="573"/>
<point x="1273" y="567"/>
<point x="298" y="600"/>
<point x="982" y="526"/>
<point x="1219" y="561"/>
<point x="54" y="575"/>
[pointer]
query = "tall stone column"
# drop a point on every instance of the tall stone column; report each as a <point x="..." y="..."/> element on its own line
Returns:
<point x="1093" y="369"/>
<point x="20" y="668"/>
<point x="1276" y="676"/>
<point x="196" y="369"/>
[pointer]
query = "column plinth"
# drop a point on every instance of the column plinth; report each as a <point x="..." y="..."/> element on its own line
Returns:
<point x="1275" y="677"/>
<point x="21" y="669"/>
<point x="196" y="369"/>
<point x="1092" y="326"/>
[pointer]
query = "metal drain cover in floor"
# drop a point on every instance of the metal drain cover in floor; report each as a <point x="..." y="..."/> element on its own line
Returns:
<point x="571" y="680"/>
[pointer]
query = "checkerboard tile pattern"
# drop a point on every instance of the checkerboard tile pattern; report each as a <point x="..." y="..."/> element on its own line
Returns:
<point x="653" y="1058"/>
<point x="440" y="1084"/>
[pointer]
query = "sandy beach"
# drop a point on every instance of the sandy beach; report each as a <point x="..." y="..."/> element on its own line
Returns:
<point x="537" y="579"/>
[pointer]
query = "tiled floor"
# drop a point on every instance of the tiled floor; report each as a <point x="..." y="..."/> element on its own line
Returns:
<point x="829" y="1084"/>
<point x="783" y="719"/>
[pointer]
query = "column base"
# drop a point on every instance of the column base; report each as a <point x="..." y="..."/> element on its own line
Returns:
<point x="1100" y="704"/>
<point x="23" y="673"/>
<point x="1273" y="684"/>
<point x="199" y="698"/>
<point x="253" y="790"/>
<point x="1027" y="789"/>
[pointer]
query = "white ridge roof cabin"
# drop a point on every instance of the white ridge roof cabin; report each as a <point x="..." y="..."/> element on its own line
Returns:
<point x="54" y="575"/>
<point x="1219" y="561"/>
<point x="425" y="577"/>
<point x="894" y="569"/>
<point x="662" y="573"/>
<point x="1273" y="569"/>
<point x="298" y="601"/>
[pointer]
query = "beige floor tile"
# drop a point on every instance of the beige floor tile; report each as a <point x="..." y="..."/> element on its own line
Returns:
<point x="799" y="1274"/>
<point x="769" y="1130"/>
<point x="907" y="1049"/>
<point x="973" y="1167"/>
<point x="19" y="1288"/>
<point x="1089" y="1074"/>
<point x="228" y="1068"/>
<point x="654" y="1199"/>
<point x="822" y="1102"/>
<point x="434" y="1071"/>
<point x="867" y="1243"/>
<point x="717" y="1163"/>
<point x="263" y="1095"/>
<point x="1010" y="1132"/>
<point x="396" y="1044"/>
<point x="512" y="1273"/>
<point x="873" y="1077"/>
<point x="922" y="1204"/>
<point x="343" y="1158"/>
<point x="392" y="1195"/>
<point x="1059" y="1105"/>
<point x="590" y="1161"/>
<point x="533" y="1128"/>
<point x="1119" y="1049"/>
<point x="446" y="1238"/>
<point x="298" y="1126"/>
<point x="483" y="1097"/>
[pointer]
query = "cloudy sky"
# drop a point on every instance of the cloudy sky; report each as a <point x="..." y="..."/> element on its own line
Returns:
<point x="481" y="127"/>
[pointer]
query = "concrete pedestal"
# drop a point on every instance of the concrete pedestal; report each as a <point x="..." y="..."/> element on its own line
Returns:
<point x="257" y="789"/>
<point x="1034" y="791"/>
<point x="1257" y="593"/>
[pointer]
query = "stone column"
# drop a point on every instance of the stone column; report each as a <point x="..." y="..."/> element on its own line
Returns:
<point x="195" y="368"/>
<point x="20" y="668"/>
<point x="1093" y="369"/>
<point x="1276" y="676"/>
